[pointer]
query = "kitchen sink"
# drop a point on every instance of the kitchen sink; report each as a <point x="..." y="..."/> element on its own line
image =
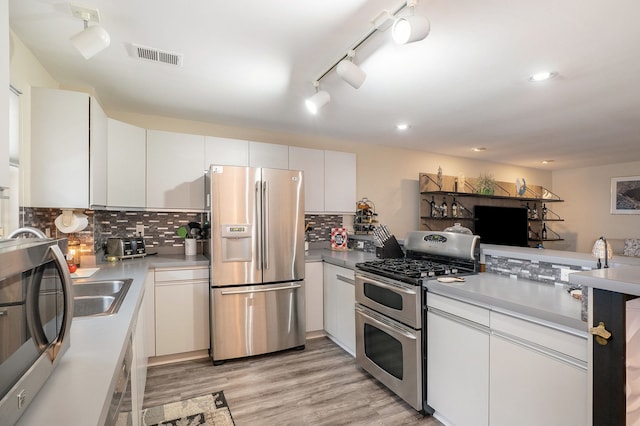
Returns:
<point x="99" y="298"/>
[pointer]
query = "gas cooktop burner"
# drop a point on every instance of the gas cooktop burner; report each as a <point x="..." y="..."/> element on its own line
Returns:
<point x="408" y="270"/>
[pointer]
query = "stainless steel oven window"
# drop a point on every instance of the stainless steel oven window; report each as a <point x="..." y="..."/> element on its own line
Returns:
<point x="395" y="359"/>
<point x="384" y="350"/>
<point x="383" y="296"/>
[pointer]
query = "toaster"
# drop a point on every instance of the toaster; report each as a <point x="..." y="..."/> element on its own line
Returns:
<point x="126" y="248"/>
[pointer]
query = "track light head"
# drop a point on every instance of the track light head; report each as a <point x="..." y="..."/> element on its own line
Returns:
<point x="318" y="100"/>
<point x="351" y="73"/>
<point x="91" y="40"/>
<point x="410" y="28"/>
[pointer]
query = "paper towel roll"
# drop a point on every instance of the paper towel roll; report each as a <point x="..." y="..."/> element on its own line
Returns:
<point x="69" y="222"/>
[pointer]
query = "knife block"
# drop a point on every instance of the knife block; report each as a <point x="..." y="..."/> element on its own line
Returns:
<point x="390" y="249"/>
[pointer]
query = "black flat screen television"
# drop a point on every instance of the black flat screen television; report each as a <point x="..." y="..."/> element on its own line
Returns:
<point x="502" y="225"/>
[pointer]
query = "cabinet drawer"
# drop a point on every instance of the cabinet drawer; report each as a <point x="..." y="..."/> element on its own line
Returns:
<point x="183" y="274"/>
<point x="563" y="342"/>
<point x="461" y="309"/>
<point x="340" y="273"/>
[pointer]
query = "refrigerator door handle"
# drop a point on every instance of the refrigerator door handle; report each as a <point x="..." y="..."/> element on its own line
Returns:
<point x="258" y="221"/>
<point x="262" y="290"/>
<point x="265" y="219"/>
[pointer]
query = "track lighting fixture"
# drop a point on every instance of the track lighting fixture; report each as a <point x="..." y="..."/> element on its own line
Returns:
<point x="410" y="28"/>
<point x="318" y="100"/>
<point x="350" y="72"/>
<point x="93" y="39"/>
<point x="405" y="30"/>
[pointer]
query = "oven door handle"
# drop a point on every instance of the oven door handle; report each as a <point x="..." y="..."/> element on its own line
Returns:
<point x="388" y="286"/>
<point x="384" y="324"/>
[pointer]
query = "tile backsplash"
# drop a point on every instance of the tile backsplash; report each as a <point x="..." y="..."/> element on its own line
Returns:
<point x="159" y="227"/>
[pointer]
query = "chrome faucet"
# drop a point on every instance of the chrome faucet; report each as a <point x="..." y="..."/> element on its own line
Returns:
<point x="27" y="230"/>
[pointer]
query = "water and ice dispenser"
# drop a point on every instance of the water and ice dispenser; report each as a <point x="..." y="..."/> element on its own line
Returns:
<point x="236" y="243"/>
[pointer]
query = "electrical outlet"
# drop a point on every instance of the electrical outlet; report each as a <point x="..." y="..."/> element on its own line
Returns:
<point x="140" y="229"/>
<point x="360" y="244"/>
<point x="564" y="274"/>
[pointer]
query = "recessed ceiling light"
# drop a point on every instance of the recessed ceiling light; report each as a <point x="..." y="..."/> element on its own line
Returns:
<point x="402" y="126"/>
<point x="479" y="149"/>
<point x="542" y="76"/>
<point x="547" y="161"/>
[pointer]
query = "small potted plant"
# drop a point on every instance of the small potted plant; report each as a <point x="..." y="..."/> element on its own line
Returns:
<point x="486" y="184"/>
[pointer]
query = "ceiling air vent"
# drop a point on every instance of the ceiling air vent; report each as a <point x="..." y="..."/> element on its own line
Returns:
<point x="155" y="55"/>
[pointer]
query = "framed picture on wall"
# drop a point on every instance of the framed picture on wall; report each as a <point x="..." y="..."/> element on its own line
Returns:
<point x="625" y="195"/>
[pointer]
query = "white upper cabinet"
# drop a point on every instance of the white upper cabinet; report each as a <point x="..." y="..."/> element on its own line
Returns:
<point x="339" y="182"/>
<point x="59" y="148"/>
<point x="126" y="175"/>
<point x="311" y="162"/>
<point x="268" y="155"/>
<point x="97" y="155"/>
<point x="225" y="152"/>
<point x="175" y="171"/>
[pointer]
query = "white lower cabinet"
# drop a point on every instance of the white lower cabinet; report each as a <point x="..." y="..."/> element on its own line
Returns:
<point x="339" y="302"/>
<point x="457" y="361"/>
<point x="538" y="375"/>
<point x="181" y="310"/>
<point x="489" y="368"/>
<point x="314" y="297"/>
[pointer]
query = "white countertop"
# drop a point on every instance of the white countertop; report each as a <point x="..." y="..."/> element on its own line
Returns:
<point x="344" y="258"/>
<point x="81" y="386"/>
<point x="539" y="301"/>
<point x="621" y="279"/>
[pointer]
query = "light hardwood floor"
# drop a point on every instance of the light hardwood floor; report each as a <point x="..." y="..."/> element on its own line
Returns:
<point x="320" y="385"/>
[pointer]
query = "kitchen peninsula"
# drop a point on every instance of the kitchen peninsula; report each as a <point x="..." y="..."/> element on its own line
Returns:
<point x="614" y="315"/>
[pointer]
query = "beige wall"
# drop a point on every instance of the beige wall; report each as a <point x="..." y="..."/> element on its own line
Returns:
<point x="587" y="195"/>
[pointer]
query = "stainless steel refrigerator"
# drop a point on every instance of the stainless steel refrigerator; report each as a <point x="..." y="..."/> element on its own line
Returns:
<point x="257" y="260"/>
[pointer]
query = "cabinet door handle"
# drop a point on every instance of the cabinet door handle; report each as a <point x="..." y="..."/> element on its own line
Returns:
<point x="601" y="334"/>
<point x="345" y="279"/>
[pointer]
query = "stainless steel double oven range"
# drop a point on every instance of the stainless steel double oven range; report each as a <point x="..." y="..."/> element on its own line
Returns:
<point x="390" y="327"/>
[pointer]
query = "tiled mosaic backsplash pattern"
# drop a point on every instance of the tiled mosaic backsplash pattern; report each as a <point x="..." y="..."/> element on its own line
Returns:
<point x="43" y="219"/>
<point x="321" y="225"/>
<point x="537" y="271"/>
<point x="549" y="273"/>
<point x="159" y="227"/>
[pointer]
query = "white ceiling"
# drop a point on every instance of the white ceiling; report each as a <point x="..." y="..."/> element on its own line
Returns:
<point x="251" y="63"/>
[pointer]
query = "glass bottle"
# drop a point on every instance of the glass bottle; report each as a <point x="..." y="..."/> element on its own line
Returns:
<point x="432" y="205"/>
<point x="454" y="208"/>
<point x="544" y="231"/>
<point x="544" y="212"/>
<point x="444" y="207"/>
<point x="534" y="212"/>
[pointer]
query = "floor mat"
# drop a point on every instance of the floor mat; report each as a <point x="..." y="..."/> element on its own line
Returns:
<point x="206" y="410"/>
